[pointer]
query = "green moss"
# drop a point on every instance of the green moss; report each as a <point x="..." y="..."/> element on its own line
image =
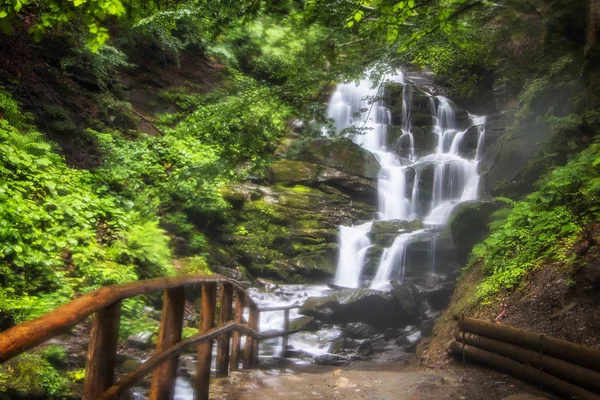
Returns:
<point x="31" y="375"/>
<point x="55" y="355"/>
<point x="196" y="265"/>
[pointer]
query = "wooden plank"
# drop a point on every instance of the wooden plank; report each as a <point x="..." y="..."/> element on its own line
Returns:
<point x="575" y="353"/>
<point x="236" y="336"/>
<point x="26" y="336"/>
<point x="251" y="346"/>
<point x="102" y="352"/>
<point x="207" y="321"/>
<point x="169" y="334"/>
<point x="284" y="339"/>
<point x="225" y="315"/>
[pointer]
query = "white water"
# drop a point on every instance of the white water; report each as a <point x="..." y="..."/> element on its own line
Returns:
<point x="455" y="178"/>
<point x="354" y="244"/>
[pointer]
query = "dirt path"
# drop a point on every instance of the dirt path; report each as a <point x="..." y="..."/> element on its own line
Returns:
<point x="382" y="382"/>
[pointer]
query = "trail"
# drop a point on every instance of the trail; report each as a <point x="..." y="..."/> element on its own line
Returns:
<point x="381" y="382"/>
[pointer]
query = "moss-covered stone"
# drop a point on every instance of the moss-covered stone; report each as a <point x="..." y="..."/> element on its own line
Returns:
<point x="340" y="153"/>
<point x="395" y="226"/>
<point x="469" y="225"/>
<point x="288" y="171"/>
<point x="30" y="376"/>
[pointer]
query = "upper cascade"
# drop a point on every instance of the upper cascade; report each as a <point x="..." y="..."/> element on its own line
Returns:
<point x="403" y="194"/>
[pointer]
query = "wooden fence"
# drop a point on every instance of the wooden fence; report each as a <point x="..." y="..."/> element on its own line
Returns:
<point x="569" y="369"/>
<point x="105" y="306"/>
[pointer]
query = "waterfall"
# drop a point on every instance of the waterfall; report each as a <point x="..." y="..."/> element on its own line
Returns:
<point x="455" y="178"/>
<point x="354" y="244"/>
<point x="393" y="256"/>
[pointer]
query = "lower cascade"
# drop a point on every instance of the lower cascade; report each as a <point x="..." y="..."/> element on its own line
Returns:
<point x="414" y="184"/>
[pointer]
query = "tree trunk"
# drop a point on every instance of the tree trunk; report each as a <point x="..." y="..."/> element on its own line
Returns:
<point x="591" y="67"/>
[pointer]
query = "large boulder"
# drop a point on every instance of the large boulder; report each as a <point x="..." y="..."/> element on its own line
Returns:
<point x="288" y="171"/>
<point x="469" y="226"/>
<point x="341" y="153"/>
<point x="407" y="296"/>
<point x="383" y="233"/>
<point x="379" y="309"/>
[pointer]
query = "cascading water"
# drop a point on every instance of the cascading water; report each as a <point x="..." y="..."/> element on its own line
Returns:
<point x="354" y="244"/>
<point x="455" y="177"/>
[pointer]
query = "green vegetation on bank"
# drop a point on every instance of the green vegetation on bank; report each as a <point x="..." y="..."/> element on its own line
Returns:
<point x="546" y="228"/>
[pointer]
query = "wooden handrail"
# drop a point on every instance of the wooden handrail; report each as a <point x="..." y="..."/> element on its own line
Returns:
<point x="105" y="304"/>
<point x="28" y="335"/>
<point x="153" y="362"/>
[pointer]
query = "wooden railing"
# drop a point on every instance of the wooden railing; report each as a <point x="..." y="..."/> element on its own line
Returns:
<point x="105" y="306"/>
<point x="567" y="368"/>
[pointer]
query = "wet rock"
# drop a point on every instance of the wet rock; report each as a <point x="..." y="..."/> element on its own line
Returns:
<point x="437" y="295"/>
<point x="360" y="330"/>
<point x="330" y="335"/>
<point x="395" y="226"/>
<point x="330" y="359"/>
<point x="469" y="225"/>
<point x="339" y="153"/>
<point x="297" y="353"/>
<point x="142" y="340"/>
<point x="426" y="327"/>
<point x="305" y="324"/>
<point x="411" y="348"/>
<point x="350" y="343"/>
<point x="392" y="333"/>
<point x="308" y="173"/>
<point x="383" y="233"/>
<point x="407" y="296"/>
<point x="365" y="348"/>
<point x="411" y="337"/>
<point x="335" y="346"/>
<point x="356" y="305"/>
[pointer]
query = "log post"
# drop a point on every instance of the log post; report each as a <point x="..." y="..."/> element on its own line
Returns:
<point x="237" y="336"/>
<point x="286" y="327"/>
<point x="574" y="353"/>
<point x="171" y="323"/>
<point x="102" y="352"/>
<point x="523" y="371"/>
<point x="251" y="346"/>
<point x="207" y="321"/>
<point x="226" y="315"/>
<point x="580" y="376"/>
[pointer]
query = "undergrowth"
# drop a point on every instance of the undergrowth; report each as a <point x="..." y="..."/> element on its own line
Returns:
<point x="543" y="228"/>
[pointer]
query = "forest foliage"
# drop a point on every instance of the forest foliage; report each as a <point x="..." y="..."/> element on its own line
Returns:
<point x="157" y="197"/>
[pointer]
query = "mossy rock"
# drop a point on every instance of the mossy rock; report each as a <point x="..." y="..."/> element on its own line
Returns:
<point x="288" y="171"/>
<point x="304" y="324"/>
<point x="469" y="225"/>
<point x="372" y="261"/>
<point x="395" y="226"/>
<point x="318" y="265"/>
<point x="30" y="376"/>
<point x="339" y="153"/>
<point x="421" y="120"/>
